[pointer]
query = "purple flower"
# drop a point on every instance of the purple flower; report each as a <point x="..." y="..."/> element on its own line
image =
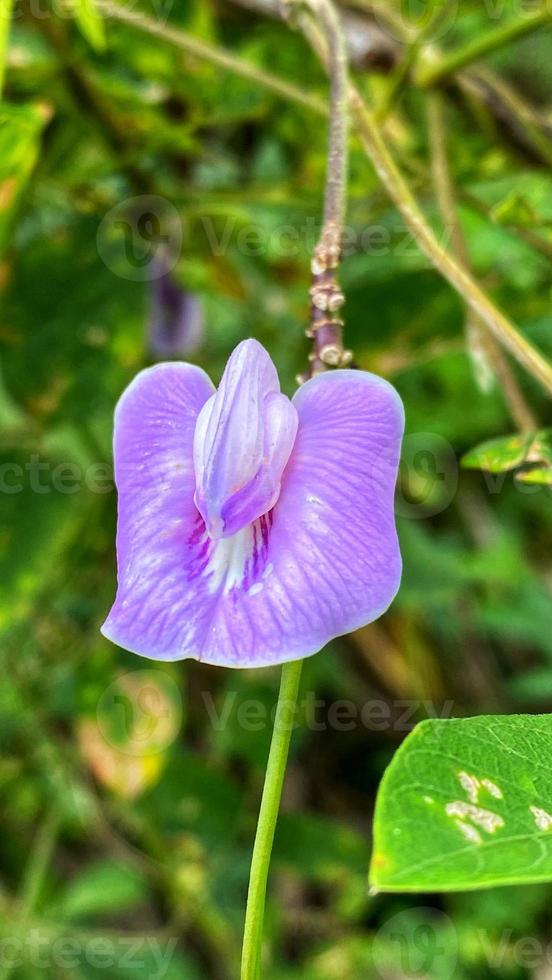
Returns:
<point x="176" y="317"/>
<point x="252" y="529"/>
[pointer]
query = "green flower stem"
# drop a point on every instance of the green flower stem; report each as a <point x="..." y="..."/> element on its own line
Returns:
<point x="434" y="72"/>
<point x="268" y="815"/>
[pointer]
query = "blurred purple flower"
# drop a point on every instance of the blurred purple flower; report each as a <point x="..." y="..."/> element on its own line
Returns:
<point x="252" y="529"/>
<point x="176" y="316"/>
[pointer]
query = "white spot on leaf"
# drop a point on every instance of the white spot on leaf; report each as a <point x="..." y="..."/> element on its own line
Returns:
<point x="485" y="819"/>
<point x="470" y="833"/>
<point x="492" y="788"/>
<point x="543" y="819"/>
<point x="470" y="784"/>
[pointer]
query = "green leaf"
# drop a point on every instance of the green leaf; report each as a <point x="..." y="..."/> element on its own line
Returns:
<point x="466" y="803"/>
<point x="536" y="474"/>
<point x="498" y="455"/>
<point x="90" y="23"/>
<point x="509" y="452"/>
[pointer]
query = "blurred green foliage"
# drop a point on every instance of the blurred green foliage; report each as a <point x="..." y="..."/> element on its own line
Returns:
<point x="105" y="840"/>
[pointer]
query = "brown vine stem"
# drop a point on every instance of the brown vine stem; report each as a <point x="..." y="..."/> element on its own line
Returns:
<point x="398" y="190"/>
<point x="486" y="353"/>
<point x="326" y="325"/>
<point x="391" y="177"/>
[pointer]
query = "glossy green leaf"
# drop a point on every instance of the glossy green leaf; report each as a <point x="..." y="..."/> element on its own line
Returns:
<point x="466" y="803"/>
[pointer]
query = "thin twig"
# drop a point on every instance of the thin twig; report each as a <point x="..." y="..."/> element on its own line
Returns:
<point x="436" y="71"/>
<point x="398" y="190"/>
<point x="529" y="127"/>
<point x="418" y="172"/>
<point x="215" y="55"/>
<point x="481" y="344"/>
<point x="405" y="66"/>
<point x="401" y="195"/>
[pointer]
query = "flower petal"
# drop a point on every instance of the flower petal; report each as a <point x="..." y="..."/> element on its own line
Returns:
<point x="243" y="440"/>
<point x="328" y="561"/>
<point x="324" y="561"/>
<point x="154" y="429"/>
